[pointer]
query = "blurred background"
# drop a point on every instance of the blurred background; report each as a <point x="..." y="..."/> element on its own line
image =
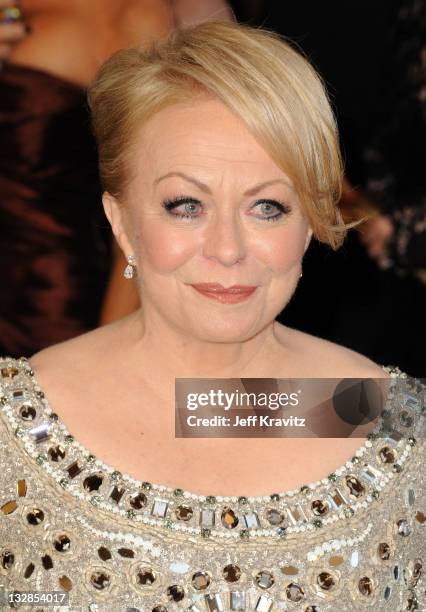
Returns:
<point x="61" y="274"/>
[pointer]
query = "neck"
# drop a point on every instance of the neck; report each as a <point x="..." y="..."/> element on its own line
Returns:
<point x="164" y="348"/>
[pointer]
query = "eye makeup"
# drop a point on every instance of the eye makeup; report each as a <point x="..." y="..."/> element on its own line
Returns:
<point x="187" y="202"/>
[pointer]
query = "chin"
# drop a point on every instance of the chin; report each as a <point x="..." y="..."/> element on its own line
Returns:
<point x="225" y="330"/>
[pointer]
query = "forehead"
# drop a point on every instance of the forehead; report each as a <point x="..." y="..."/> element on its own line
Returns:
<point x="203" y="133"/>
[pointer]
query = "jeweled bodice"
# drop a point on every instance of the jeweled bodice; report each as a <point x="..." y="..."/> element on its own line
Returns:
<point x="354" y="540"/>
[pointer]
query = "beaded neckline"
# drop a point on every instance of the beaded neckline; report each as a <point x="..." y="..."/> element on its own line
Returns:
<point x="338" y="496"/>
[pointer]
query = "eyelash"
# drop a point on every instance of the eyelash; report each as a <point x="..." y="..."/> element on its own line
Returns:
<point x="171" y="204"/>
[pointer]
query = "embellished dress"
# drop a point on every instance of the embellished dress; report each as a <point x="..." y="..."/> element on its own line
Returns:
<point x="73" y="526"/>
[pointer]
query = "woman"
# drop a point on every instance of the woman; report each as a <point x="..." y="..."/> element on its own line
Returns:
<point x="219" y="156"/>
<point x="55" y="255"/>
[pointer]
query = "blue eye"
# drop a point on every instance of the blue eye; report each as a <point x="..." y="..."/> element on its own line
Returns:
<point x="269" y="206"/>
<point x="189" y="206"/>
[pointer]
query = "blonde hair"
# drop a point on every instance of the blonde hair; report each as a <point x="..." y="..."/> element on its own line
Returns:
<point x="259" y="76"/>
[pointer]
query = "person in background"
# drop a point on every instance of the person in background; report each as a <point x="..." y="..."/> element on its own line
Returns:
<point x="60" y="271"/>
<point x="396" y="235"/>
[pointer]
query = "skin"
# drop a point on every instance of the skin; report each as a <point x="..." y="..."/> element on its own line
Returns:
<point x="128" y="368"/>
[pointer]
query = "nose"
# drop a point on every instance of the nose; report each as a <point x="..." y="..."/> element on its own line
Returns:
<point x="224" y="239"/>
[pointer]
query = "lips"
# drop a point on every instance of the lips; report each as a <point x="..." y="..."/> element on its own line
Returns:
<point x="217" y="288"/>
<point x="225" y="295"/>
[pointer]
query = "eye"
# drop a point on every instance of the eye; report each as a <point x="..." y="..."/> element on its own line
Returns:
<point x="187" y="204"/>
<point x="272" y="210"/>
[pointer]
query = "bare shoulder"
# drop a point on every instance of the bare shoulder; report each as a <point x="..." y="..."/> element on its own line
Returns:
<point x="327" y="359"/>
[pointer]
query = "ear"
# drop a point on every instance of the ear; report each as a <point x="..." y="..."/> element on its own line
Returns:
<point x="308" y="238"/>
<point x="116" y="217"/>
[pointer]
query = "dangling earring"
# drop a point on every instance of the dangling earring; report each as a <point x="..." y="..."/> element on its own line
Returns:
<point x="130" y="269"/>
<point x="301" y="274"/>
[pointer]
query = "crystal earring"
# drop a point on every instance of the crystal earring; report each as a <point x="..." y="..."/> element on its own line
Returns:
<point x="130" y="269"/>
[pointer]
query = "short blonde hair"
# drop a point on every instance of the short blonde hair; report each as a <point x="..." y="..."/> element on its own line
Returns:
<point x="259" y="76"/>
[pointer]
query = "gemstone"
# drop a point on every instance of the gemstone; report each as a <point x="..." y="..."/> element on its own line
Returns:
<point x="348" y="512"/>
<point x="319" y="507"/>
<point x="387" y="593"/>
<point x="175" y="592"/>
<point x="9" y="372"/>
<point x="387" y="455"/>
<point x="205" y="532"/>
<point x="231" y="573"/>
<point x="365" y="586"/>
<point x="9" y="507"/>
<point x="326" y="581"/>
<point x="275" y="517"/>
<point x="117" y="493"/>
<point x="93" y="482"/>
<point x="27" y="412"/>
<point x="74" y="469"/>
<point x="336" y="560"/>
<point x="294" y="592"/>
<point x="405" y="419"/>
<point x="21" y="488"/>
<point x="237" y="600"/>
<point x="40" y="433"/>
<point x="264" y="579"/>
<point x="370" y="473"/>
<point x="354" y="558"/>
<point x="289" y="570"/>
<point x="184" y="513"/>
<point x="104" y="553"/>
<point x="242" y="500"/>
<point x="404" y="528"/>
<point x="47" y="562"/>
<point x="214" y="602"/>
<point x="229" y="518"/>
<point x="274" y="497"/>
<point x="147" y="486"/>
<point x="251" y="520"/>
<point x="296" y="514"/>
<point x="127" y="553"/>
<point x="159" y="609"/>
<point x="317" y="523"/>
<point x="62" y="543"/>
<point x="29" y="570"/>
<point x="263" y="604"/>
<point x="355" y="487"/>
<point x="336" y="499"/>
<point x="211" y="499"/>
<point x="179" y="567"/>
<point x="56" y="453"/>
<point x="35" y="517"/>
<point x="410" y="497"/>
<point x="200" y="580"/>
<point x="178" y="492"/>
<point x="397" y="468"/>
<point x="65" y="583"/>
<point x="384" y="551"/>
<point x="100" y="580"/>
<point x="7" y="559"/>
<point x="138" y="500"/>
<point x="207" y="517"/>
<point x="420" y="517"/>
<point x="396" y="572"/>
<point x="146" y="576"/>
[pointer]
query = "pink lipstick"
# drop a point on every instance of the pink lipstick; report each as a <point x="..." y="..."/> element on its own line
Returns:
<point x="226" y="295"/>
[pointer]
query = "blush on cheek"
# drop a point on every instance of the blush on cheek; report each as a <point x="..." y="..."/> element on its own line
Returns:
<point x="165" y="250"/>
<point x="284" y="251"/>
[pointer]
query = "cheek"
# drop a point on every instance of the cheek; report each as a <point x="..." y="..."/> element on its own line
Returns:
<point x="163" y="248"/>
<point x="281" y="250"/>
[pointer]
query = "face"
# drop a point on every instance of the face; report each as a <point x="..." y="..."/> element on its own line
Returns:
<point x="207" y="204"/>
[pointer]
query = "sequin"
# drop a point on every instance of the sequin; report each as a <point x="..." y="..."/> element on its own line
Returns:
<point x="72" y="523"/>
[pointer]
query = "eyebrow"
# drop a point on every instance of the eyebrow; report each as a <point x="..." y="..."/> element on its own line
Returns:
<point x="250" y="192"/>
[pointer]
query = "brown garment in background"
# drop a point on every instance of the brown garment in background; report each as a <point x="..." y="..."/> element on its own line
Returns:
<point x="55" y="240"/>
